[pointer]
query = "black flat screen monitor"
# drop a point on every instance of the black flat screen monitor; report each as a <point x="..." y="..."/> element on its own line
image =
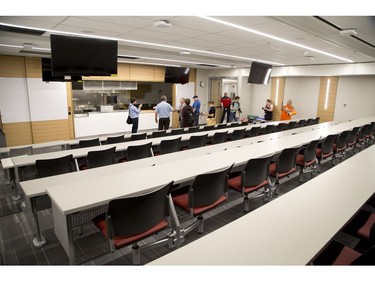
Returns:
<point x="48" y="77"/>
<point x="178" y="75"/>
<point x="260" y="73"/>
<point x="83" y="56"/>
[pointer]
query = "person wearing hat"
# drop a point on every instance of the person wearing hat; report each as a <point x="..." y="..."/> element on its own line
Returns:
<point x="196" y="110"/>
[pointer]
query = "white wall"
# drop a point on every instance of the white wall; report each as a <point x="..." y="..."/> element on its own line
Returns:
<point x="355" y="97"/>
<point x="14" y="101"/>
<point x="304" y="93"/>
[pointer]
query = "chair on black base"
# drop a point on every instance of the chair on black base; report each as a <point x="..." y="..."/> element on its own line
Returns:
<point x="205" y="193"/>
<point x="158" y="134"/>
<point x="25" y="173"/>
<point x="325" y="150"/>
<point x="278" y="128"/>
<point x="208" y="127"/>
<point x="178" y="131"/>
<point x="340" y="145"/>
<point x="253" y="178"/>
<point x="135" y="152"/>
<point x="352" y="139"/>
<point x="116" y="139"/>
<point x="221" y="126"/>
<point x="301" y="123"/>
<point x="196" y="141"/>
<point x="141" y="136"/>
<point x="99" y="158"/>
<point x="192" y="129"/>
<point x="237" y="134"/>
<point x="89" y="143"/>
<point x="361" y="137"/>
<point x="132" y="219"/>
<point x="283" y="166"/>
<point x="170" y="146"/>
<point x="219" y="137"/>
<point x="253" y="132"/>
<point x="306" y="158"/>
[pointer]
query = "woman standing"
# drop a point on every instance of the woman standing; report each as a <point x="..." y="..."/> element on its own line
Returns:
<point x="268" y="110"/>
<point x="187" y="117"/>
<point x="134" y="114"/>
<point x="287" y="111"/>
<point x="211" y="120"/>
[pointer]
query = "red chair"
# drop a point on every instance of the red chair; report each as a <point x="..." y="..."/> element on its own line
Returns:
<point x="205" y="193"/>
<point x="133" y="219"/>
<point x="254" y="177"/>
<point x="307" y="159"/>
<point x="283" y="166"/>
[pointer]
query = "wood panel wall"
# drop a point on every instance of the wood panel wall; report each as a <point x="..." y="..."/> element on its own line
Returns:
<point x="280" y="96"/>
<point x="327" y="114"/>
<point x="19" y="133"/>
<point x="12" y="67"/>
<point x="51" y="130"/>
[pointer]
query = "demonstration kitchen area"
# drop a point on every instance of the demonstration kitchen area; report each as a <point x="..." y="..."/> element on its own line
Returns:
<point x="101" y="107"/>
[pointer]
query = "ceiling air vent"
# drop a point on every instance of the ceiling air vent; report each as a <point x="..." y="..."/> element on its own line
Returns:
<point x="208" y="65"/>
<point x="127" y="57"/>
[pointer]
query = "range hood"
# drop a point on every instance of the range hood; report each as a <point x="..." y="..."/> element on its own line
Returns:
<point x="109" y="85"/>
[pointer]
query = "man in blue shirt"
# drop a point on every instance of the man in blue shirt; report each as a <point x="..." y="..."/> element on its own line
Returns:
<point x="134" y="114"/>
<point x="163" y="109"/>
<point x="197" y="110"/>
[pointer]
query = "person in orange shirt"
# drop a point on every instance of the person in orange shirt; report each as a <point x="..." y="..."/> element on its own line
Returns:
<point x="287" y="111"/>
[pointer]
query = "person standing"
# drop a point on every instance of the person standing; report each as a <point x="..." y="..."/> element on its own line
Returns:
<point x="179" y="110"/>
<point x="196" y="110"/>
<point x="187" y="115"/>
<point x="134" y="114"/>
<point x="225" y="104"/>
<point x="268" y="108"/>
<point x="211" y="120"/>
<point x="235" y="110"/>
<point x="287" y="111"/>
<point x="163" y="110"/>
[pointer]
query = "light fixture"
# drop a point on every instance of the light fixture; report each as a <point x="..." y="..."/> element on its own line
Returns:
<point x="162" y="23"/>
<point x="185" y="53"/>
<point x="273" y="37"/>
<point x="348" y="32"/>
<point x="277" y="92"/>
<point x="327" y="94"/>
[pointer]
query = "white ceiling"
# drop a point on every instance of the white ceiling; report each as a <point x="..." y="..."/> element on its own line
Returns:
<point x="209" y="42"/>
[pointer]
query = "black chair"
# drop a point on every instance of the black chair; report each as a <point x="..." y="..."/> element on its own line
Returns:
<point x="196" y="141"/>
<point x="141" y="136"/>
<point x="283" y="166"/>
<point x="370" y="133"/>
<point x="352" y="139"/>
<point x="221" y="126"/>
<point x="135" y="152"/>
<point x="55" y="166"/>
<point x="340" y="146"/>
<point x="325" y="149"/>
<point x="291" y="125"/>
<point x="170" y="146"/>
<point x="208" y="127"/>
<point x="177" y="131"/>
<point x="316" y="120"/>
<point x="245" y="123"/>
<point x="237" y="134"/>
<point x="117" y="139"/>
<point x="133" y="219"/>
<point x="253" y="132"/>
<point x="268" y="129"/>
<point x="99" y="158"/>
<point x="24" y="172"/>
<point x="158" y="134"/>
<point x="278" y="128"/>
<point x="192" y="129"/>
<point x="310" y="122"/>
<point x="89" y="143"/>
<point x="253" y="178"/>
<point x="234" y="124"/>
<point x="307" y="159"/>
<point x="219" y="137"/>
<point x="205" y="193"/>
<point x="301" y="123"/>
<point x="361" y="138"/>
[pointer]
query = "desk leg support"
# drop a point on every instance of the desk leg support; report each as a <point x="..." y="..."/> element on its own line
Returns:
<point x="71" y="252"/>
<point x="16" y="181"/>
<point x="39" y="240"/>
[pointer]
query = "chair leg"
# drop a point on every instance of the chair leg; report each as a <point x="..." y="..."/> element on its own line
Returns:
<point x="246" y="204"/>
<point x="201" y="224"/>
<point x="136" y="254"/>
<point x="301" y="175"/>
<point x="276" y="188"/>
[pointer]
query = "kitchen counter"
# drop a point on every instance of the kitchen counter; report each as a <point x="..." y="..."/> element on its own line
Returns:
<point x="103" y="123"/>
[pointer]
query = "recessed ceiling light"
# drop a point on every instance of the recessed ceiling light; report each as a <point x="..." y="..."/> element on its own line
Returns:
<point x="185" y="53"/>
<point x="162" y="23"/>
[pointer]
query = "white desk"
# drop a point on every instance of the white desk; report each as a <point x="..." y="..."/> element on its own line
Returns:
<point x="5" y="150"/>
<point x="69" y="199"/>
<point x="292" y="229"/>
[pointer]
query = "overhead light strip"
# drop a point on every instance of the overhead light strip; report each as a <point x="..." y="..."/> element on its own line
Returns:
<point x="273" y="37"/>
<point x="141" y="43"/>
